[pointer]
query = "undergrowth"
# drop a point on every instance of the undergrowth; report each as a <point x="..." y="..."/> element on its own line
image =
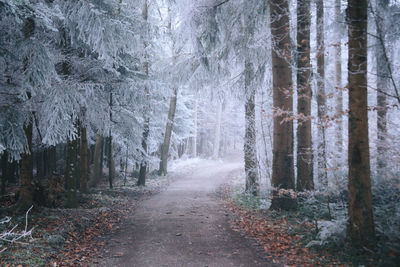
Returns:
<point x="66" y="236"/>
<point x="321" y="219"/>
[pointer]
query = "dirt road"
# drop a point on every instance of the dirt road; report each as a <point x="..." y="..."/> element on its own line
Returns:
<point x="185" y="225"/>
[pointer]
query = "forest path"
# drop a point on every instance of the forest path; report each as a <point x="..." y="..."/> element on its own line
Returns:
<point x="185" y="225"/>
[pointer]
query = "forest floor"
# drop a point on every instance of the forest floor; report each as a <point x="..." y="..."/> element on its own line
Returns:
<point x="194" y="216"/>
<point x="73" y="237"/>
<point x="198" y="220"/>
<point x="184" y="225"/>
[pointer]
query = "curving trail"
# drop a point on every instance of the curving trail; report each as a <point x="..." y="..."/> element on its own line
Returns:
<point x="185" y="225"/>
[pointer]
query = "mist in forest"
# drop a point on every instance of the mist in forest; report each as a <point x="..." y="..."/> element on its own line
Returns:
<point x="288" y="109"/>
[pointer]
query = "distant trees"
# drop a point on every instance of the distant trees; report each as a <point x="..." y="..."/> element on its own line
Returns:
<point x="217" y="132"/>
<point x="194" y="137"/>
<point x="382" y="81"/>
<point x="97" y="171"/>
<point x="338" y="84"/>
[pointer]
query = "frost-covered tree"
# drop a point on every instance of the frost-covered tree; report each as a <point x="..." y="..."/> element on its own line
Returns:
<point x="240" y="62"/>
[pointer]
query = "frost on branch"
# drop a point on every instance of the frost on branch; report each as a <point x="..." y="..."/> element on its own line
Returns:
<point x="13" y="236"/>
<point x="330" y="231"/>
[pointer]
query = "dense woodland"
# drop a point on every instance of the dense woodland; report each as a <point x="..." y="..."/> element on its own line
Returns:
<point x="107" y="90"/>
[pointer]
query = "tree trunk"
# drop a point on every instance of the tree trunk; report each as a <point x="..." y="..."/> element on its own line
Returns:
<point x="126" y="164"/>
<point x="304" y="95"/>
<point x="250" y="142"/>
<point x="12" y="172"/>
<point x="102" y="156"/>
<point x="91" y="154"/>
<point x="283" y="165"/>
<point x="382" y="83"/>
<point x="146" y="126"/>
<point x="111" y="163"/>
<point x="70" y="174"/>
<point x="97" y="167"/>
<point x="52" y="159"/>
<point x="361" y="223"/>
<point x="77" y="158"/>
<point x="194" y="138"/>
<point x="339" y="89"/>
<point x="201" y="144"/>
<point x="40" y="170"/>
<point x="167" y="135"/>
<point x="4" y="172"/>
<point x="143" y="164"/>
<point x="321" y="96"/>
<point x="84" y="160"/>
<point x="111" y="166"/>
<point x="105" y="151"/>
<point x="25" y="200"/>
<point x="217" y="136"/>
<point x="181" y="149"/>
<point x="46" y="162"/>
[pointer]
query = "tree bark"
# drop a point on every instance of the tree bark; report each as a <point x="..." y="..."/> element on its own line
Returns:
<point x="4" y="172"/>
<point x="25" y="200"/>
<point x="126" y="164"/>
<point x="250" y="143"/>
<point x="46" y="162"/>
<point x="143" y="164"/>
<point x="12" y="172"/>
<point x="40" y="169"/>
<point x="84" y="160"/>
<point x="168" y="132"/>
<point x="111" y="165"/>
<point x="321" y="96"/>
<point x="361" y="223"/>
<point x="283" y="166"/>
<point x="304" y="95"/>
<point x="97" y="167"/>
<point x="102" y="153"/>
<point x="77" y="158"/>
<point x="52" y="159"/>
